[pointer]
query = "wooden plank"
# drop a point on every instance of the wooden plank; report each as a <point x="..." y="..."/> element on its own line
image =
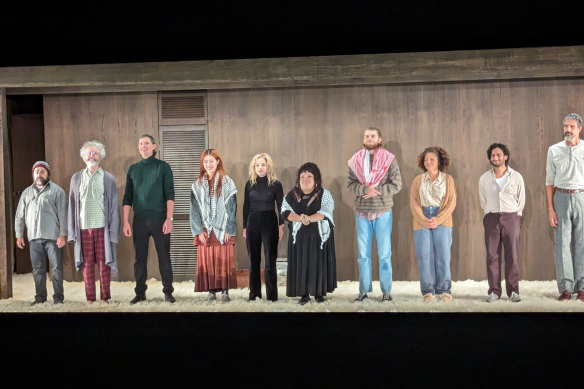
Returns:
<point x="370" y="69"/>
<point x="5" y="193"/>
<point x="117" y="120"/>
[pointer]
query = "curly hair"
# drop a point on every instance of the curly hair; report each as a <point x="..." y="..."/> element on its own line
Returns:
<point x="443" y="158"/>
<point x="503" y="148"/>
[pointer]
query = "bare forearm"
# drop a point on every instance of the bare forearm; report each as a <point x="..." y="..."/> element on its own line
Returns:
<point x="169" y="208"/>
<point x="126" y="213"/>
<point x="549" y="194"/>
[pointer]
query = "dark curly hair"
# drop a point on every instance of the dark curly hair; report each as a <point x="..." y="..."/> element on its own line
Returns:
<point x="443" y="158"/>
<point x="501" y="146"/>
<point x="315" y="171"/>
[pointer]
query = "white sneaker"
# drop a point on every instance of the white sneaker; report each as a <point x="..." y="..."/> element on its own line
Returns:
<point x="515" y="297"/>
<point x="492" y="297"/>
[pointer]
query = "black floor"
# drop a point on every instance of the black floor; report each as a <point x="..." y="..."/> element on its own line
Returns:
<point x="293" y="349"/>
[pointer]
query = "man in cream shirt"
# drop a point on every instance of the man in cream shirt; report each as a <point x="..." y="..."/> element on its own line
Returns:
<point x="565" y="201"/>
<point x="502" y="196"/>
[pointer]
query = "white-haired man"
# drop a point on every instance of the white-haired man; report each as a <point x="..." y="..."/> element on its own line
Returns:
<point x="94" y="221"/>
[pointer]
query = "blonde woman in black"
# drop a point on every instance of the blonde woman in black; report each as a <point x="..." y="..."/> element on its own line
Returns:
<point x="262" y="223"/>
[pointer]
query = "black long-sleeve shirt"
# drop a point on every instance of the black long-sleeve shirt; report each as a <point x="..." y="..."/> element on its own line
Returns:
<point x="261" y="197"/>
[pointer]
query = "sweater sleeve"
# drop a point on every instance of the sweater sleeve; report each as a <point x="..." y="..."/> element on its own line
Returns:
<point x="168" y="183"/>
<point x="279" y="196"/>
<point x="71" y="214"/>
<point x="129" y="191"/>
<point x="114" y="211"/>
<point x="393" y="183"/>
<point x="354" y="185"/>
<point x="246" y="203"/>
<point x="448" y="203"/>
<point x="415" y="203"/>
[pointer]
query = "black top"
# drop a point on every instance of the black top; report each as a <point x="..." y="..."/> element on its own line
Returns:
<point x="260" y="197"/>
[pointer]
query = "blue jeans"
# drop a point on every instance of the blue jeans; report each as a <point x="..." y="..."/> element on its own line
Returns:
<point x="433" y="253"/>
<point x="381" y="227"/>
<point x="40" y="249"/>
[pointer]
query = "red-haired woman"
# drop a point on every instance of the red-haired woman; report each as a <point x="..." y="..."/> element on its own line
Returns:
<point x="213" y="207"/>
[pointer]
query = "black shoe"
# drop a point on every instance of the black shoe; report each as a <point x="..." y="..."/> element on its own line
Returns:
<point x="168" y="298"/>
<point x="137" y="299"/>
<point x="386" y="297"/>
<point x="304" y="300"/>
<point x="35" y="302"/>
<point x="57" y="301"/>
<point x="320" y="299"/>
<point x="252" y="297"/>
<point x="361" y="297"/>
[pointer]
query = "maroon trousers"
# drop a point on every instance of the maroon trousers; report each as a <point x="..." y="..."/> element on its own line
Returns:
<point x="502" y="231"/>
<point x="93" y="250"/>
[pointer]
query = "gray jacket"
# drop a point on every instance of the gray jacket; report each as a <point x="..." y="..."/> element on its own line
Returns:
<point x="112" y="220"/>
<point x="44" y="213"/>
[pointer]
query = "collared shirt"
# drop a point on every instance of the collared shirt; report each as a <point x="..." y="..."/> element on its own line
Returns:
<point x="432" y="192"/>
<point x="91" y="200"/>
<point x="565" y="166"/>
<point x="509" y="199"/>
<point x="44" y="212"/>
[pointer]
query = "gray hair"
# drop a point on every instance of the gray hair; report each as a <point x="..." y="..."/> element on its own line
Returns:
<point x="92" y="143"/>
<point x="573" y="116"/>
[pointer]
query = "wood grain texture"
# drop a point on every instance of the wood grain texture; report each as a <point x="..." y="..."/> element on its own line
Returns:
<point x="6" y="256"/>
<point x="117" y="120"/>
<point x="370" y="69"/>
<point x="325" y="125"/>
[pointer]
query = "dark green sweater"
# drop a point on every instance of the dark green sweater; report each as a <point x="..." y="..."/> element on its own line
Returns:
<point x="149" y="185"/>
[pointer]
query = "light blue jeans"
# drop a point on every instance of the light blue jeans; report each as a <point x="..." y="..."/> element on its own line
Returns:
<point x="381" y="228"/>
<point x="569" y="250"/>
<point x="433" y="253"/>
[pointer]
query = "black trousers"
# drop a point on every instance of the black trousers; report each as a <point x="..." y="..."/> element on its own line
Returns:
<point x="262" y="227"/>
<point x="143" y="230"/>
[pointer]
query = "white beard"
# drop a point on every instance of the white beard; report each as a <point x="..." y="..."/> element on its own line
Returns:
<point x="91" y="163"/>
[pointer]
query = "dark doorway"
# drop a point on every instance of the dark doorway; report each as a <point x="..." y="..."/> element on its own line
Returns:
<point x="27" y="141"/>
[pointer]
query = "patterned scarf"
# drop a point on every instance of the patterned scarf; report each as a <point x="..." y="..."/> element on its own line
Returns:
<point x="213" y="212"/>
<point x="371" y="175"/>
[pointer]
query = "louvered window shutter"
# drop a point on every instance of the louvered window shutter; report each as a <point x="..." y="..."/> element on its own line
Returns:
<point x="184" y="135"/>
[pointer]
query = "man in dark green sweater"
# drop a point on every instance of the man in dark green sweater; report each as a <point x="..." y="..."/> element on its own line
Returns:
<point x="150" y="190"/>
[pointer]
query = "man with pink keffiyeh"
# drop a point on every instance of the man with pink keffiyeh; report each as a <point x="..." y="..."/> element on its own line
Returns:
<point x="374" y="177"/>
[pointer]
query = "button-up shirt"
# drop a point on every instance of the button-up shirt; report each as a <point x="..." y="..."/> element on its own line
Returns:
<point x="91" y="200"/>
<point x="44" y="212"/>
<point x="565" y="166"/>
<point x="432" y="192"/>
<point x="509" y="199"/>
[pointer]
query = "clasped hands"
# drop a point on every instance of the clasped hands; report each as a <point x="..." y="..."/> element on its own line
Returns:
<point x="431" y="223"/>
<point x="371" y="192"/>
<point x="305" y="219"/>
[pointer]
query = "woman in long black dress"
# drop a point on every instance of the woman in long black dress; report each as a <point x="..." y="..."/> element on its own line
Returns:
<point x="261" y="224"/>
<point x="312" y="268"/>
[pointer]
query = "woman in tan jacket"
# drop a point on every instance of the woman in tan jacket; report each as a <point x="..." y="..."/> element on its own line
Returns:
<point x="432" y="200"/>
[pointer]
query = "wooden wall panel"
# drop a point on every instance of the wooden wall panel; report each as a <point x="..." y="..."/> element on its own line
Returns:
<point x="6" y="245"/>
<point x="325" y="125"/>
<point x="117" y="120"/>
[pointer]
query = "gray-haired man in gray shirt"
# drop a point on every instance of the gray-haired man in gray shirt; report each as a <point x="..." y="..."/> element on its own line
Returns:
<point x="43" y="210"/>
<point x="565" y="202"/>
